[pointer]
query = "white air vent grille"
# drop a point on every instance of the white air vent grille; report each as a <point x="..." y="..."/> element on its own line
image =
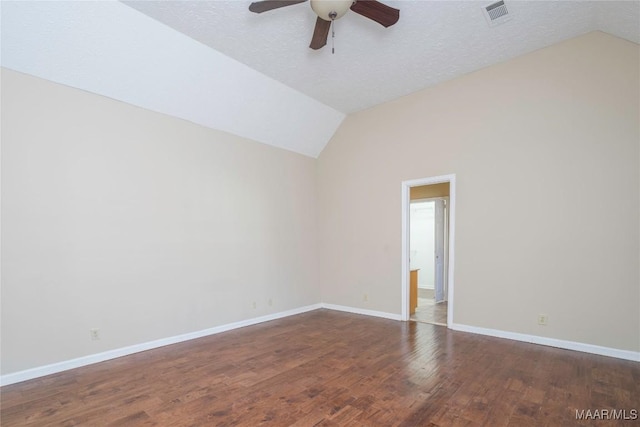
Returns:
<point x="496" y="13"/>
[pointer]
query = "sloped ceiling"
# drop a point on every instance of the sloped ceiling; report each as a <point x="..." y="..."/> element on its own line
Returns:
<point x="110" y="49"/>
<point x="433" y="41"/>
<point x="219" y="65"/>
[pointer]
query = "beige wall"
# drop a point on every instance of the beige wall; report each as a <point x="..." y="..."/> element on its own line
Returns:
<point x="429" y="191"/>
<point x="139" y="224"/>
<point x="545" y="149"/>
<point x="146" y="226"/>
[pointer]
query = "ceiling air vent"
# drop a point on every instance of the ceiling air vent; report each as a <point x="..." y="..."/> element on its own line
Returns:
<point x="496" y="13"/>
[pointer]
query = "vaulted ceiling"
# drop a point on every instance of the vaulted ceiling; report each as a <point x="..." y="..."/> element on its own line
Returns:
<point x="432" y="42"/>
<point x="219" y="65"/>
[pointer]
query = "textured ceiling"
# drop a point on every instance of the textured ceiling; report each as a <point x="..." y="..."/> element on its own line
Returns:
<point x="254" y="76"/>
<point x="434" y="41"/>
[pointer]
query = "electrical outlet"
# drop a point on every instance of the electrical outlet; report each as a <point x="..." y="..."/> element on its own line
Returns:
<point x="254" y="305"/>
<point x="95" y="334"/>
<point x="270" y="301"/>
<point x="365" y="297"/>
<point x="542" y="319"/>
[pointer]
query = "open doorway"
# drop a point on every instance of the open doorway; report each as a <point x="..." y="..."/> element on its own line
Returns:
<point x="428" y="235"/>
<point x="428" y="219"/>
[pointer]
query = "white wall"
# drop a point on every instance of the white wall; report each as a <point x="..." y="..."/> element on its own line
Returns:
<point x="139" y="224"/>
<point x="545" y="149"/>
<point x="422" y="242"/>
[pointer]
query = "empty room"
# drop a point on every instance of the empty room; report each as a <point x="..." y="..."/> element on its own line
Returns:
<point x="206" y="213"/>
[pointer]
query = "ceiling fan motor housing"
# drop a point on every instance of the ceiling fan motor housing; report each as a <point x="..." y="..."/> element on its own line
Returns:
<point x="330" y="10"/>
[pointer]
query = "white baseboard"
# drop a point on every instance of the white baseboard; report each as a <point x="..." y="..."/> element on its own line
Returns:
<point x="119" y="352"/>
<point x="551" y="342"/>
<point x="53" y="368"/>
<point x="355" y="310"/>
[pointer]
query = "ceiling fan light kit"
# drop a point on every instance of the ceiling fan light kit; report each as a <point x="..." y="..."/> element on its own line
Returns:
<point x="330" y="10"/>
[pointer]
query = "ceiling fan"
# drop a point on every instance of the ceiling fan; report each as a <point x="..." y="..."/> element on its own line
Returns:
<point x="330" y="10"/>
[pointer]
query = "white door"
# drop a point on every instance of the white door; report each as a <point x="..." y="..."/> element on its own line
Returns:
<point x="439" y="250"/>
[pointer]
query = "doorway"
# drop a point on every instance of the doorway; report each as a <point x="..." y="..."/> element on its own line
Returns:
<point x="428" y="225"/>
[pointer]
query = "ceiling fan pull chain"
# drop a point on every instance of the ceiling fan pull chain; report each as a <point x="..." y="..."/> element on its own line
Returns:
<point x="333" y="15"/>
<point x="333" y="37"/>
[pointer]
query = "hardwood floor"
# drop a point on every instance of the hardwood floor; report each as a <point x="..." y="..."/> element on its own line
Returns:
<point x="428" y="311"/>
<point x="328" y="368"/>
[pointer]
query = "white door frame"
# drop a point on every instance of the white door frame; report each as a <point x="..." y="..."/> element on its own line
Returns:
<point x="406" y="185"/>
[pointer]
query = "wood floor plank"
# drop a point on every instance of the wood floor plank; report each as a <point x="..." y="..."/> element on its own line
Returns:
<point x="328" y="368"/>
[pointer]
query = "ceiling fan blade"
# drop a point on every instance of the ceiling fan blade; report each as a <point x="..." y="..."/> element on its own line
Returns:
<point x="266" y="5"/>
<point x="320" y="34"/>
<point x="381" y="13"/>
